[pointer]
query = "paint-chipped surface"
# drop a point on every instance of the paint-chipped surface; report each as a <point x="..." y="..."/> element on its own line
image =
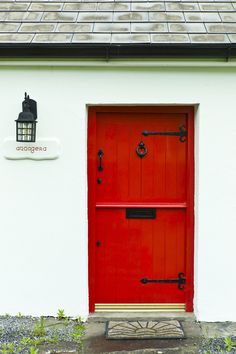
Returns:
<point x="114" y="21"/>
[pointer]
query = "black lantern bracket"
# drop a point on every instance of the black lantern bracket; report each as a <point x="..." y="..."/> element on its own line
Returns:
<point x="29" y="105"/>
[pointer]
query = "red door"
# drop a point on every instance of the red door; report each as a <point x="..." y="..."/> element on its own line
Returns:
<point x="140" y="173"/>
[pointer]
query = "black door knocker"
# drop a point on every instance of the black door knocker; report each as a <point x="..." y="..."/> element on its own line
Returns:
<point x="141" y="149"/>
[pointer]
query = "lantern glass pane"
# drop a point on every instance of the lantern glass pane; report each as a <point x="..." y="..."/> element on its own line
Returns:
<point x="26" y="131"/>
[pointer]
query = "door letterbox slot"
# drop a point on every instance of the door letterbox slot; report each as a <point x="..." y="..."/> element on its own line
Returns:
<point x="140" y="213"/>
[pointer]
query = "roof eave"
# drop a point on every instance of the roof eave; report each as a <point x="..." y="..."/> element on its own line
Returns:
<point x="118" y="51"/>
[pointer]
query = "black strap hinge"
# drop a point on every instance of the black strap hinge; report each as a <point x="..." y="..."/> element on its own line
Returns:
<point x="182" y="133"/>
<point x="181" y="280"/>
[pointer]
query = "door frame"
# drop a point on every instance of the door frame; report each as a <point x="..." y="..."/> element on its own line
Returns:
<point x="91" y="168"/>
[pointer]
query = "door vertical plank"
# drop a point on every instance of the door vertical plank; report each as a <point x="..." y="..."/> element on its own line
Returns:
<point x="91" y="204"/>
<point x="190" y="211"/>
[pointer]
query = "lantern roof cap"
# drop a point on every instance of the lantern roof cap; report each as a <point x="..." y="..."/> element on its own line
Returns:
<point x="26" y="116"/>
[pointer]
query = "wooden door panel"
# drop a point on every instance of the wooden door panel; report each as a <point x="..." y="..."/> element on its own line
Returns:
<point x="132" y="249"/>
<point x="159" y="176"/>
<point x="125" y="250"/>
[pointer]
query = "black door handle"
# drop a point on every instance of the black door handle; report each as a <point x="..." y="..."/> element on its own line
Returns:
<point x="100" y="155"/>
<point x="98" y="243"/>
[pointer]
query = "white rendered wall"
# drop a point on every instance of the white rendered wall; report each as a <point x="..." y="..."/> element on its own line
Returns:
<point x="43" y="204"/>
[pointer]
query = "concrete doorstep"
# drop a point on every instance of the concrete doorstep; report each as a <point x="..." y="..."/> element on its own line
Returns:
<point x="96" y="342"/>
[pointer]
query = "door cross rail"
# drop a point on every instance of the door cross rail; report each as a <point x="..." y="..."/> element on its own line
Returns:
<point x="182" y="133"/>
<point x="181" y="280"/>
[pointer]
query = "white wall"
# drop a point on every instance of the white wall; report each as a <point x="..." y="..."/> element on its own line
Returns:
<point x="43" y="204"/>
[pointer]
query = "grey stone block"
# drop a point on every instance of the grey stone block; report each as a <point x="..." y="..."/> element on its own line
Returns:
<point x="218" y="329"/>
<point x="170" y="38"/>
<point x="166" y="16"/>
<point x="52" y="38"/>
<point x="209" y="38"/>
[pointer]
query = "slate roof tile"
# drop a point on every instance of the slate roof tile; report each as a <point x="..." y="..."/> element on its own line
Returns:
<point x="92" y="38"/>
<point x="232" y="38"/>
<point x="220" y="27"/>
<point x="149" y="27"/>
<point x="187" y="27"/>
<point x="208" y="38"/>
<point x="37" y="27"/>
<point x="202" y="17"/>
<point x="74" y="27"/>
<point x="45" y="7"/>
<point x="166" y="17"/>
<point x="216" y="6"/>
<point x="228" y="16"/>
<point x="15" y="38"/>
<point x="170" y="38"/>
<point x="52" y="38"/>
<point x="117" y="21"/>
<point x="130" y="38"/>
<point x="178" y="6"/>
<point x="112" y="27"/>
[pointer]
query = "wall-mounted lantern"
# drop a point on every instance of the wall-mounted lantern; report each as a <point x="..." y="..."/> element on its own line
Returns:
<point x="26" y="122"/>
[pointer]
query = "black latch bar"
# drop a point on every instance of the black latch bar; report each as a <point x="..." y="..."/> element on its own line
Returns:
<point x="182" y="133"/>
<point x="181" y="280"/>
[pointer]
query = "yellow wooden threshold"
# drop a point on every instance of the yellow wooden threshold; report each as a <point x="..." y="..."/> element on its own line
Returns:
<point x="139" y="307"/>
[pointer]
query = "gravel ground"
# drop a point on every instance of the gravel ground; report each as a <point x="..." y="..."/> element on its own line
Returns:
<point x="215" y="346"/>
<point x="14" y="329"/>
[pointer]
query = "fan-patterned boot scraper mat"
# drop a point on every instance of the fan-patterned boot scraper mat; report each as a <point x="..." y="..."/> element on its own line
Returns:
<point x="144" y="330"/>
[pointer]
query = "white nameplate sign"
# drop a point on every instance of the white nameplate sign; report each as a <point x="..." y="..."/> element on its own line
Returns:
<point x="42" y="149"/>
